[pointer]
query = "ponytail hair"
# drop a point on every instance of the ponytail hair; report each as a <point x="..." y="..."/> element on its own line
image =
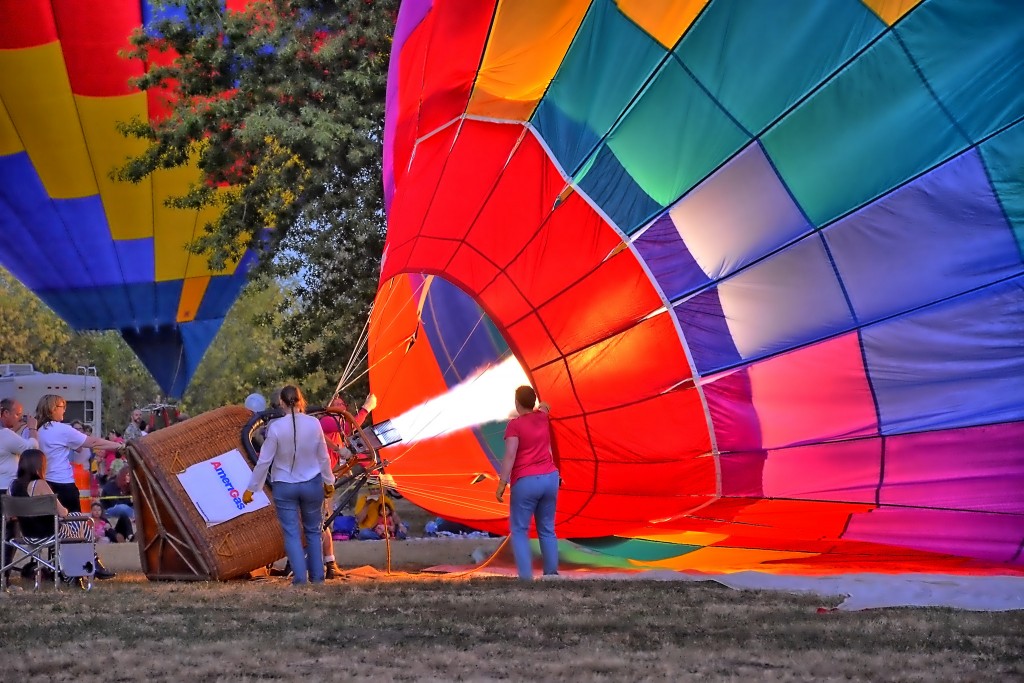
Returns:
<point x="292" y="400"/>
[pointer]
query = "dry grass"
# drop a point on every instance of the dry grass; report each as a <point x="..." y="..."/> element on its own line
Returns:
<point x="480" y="629"/>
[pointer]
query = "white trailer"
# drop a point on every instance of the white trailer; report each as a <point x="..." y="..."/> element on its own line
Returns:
<point x="82" y="391"/>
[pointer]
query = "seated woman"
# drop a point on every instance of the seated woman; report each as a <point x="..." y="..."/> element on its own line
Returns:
<point x="31" y="481"/>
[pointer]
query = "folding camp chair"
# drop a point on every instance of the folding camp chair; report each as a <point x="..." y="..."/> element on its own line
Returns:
<point x="72" y="559"/>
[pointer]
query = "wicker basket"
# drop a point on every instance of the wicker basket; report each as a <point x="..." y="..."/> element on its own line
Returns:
<point x="175" y="542"/>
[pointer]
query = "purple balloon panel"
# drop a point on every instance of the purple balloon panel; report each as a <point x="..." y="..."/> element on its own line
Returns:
<point x="980" y="469"/>
<point x="985" y="536"/>
<point x="939" y="236"/>
<point x="954" y="364"/>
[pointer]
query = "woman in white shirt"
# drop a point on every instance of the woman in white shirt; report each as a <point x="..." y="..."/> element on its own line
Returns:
<point x="295" y="456"/>
<point x="59" y="441"/>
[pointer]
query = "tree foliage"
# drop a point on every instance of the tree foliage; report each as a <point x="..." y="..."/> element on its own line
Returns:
<point x="32" y="333"/>
<point x="245" y="357"/>
<point x="281" y="109"/>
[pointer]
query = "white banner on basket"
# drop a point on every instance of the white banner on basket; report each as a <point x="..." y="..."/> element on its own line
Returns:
<point x="215" y="487"/>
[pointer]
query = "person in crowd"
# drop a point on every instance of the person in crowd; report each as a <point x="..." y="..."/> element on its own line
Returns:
<point x="116" y="494"/>
<point x="58" y="441"/>
<point x="132" y="431"/>
<point x="116" y="466"/>
<point x="529" y="466"/>
<point x="119" y="531"/>
<point x="295" y="456"/>
<point x="84" y="455"/>
<point x="13" y="423"/>
<point x="100" y="524"/>
<point x="31" y="481"/>
<point x="336" y="428"/>
<point x="376" y="515"/>
<point x="79" y="456"/>
<point x="109" y="456"/>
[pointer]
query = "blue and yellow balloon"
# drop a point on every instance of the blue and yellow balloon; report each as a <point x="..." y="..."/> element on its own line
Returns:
<point x="104" y="255"/>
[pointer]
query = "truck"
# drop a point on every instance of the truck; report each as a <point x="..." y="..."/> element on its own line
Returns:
<point x="82" y="391"/>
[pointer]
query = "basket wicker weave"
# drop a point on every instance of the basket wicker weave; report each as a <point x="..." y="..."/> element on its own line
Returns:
<point x="175" y="542"/>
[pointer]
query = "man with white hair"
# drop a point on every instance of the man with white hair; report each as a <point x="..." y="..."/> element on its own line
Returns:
<point x="13" y="422"/>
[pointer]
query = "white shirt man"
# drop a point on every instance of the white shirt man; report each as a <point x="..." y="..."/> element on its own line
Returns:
<point x="12" y="443"/>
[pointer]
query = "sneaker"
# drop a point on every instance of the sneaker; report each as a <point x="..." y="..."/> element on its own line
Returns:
<point x="331" y="570"/>
<point x="102" y="572"/>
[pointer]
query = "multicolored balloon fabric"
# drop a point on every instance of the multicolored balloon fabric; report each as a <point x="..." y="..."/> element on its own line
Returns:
<point x="763" y="259"/>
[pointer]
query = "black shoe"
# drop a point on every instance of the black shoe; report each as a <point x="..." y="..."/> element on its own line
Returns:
<point x="102" y="572"/>
<point x="331" y="570"/>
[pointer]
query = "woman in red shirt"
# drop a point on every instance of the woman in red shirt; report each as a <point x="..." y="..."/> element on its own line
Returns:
<point x="530" y="467"/>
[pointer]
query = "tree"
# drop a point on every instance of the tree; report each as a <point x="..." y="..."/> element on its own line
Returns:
<point x="32" y="333"/>
<point x="245" y="356"/>
<point x="281" y="109"/>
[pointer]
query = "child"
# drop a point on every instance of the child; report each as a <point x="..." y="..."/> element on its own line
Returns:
<point x="106" y="532"/>
<point x="101" y="526"/>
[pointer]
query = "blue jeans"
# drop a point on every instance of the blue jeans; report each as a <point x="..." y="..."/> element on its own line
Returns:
<point x="306" y="501"/>
<point x="120" y="510"/>
<point x="534" y="497"/>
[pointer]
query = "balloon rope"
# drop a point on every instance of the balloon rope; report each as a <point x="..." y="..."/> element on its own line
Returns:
<point x="388" y="519"/>
<point x="356" y="350"/>
<point x="480" y="566"/>
<point x="347" y="379"/>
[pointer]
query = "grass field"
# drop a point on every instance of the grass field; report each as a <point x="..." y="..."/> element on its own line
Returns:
<point x="487" y="629"/>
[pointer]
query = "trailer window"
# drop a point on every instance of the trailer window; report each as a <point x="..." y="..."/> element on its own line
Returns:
<point x="84" y="411"/>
